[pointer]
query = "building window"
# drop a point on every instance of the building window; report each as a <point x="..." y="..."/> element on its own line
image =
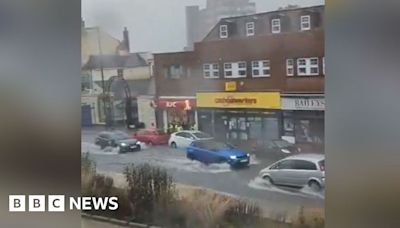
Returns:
<point x="261" y="68"/>
<point x="250" y="30"/>
<point x="276" y="25"/>
<point x="174" y="71"/>
<point x="211" y="70"/>
<point x="307" y="66"/>
<point x="223" y="31"/>
<point x="305" y="22"/>
<point x="235" y="70"/>
<point x="289" y="67"/>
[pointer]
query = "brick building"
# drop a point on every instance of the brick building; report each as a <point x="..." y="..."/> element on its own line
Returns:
<point x="252" y="79"/>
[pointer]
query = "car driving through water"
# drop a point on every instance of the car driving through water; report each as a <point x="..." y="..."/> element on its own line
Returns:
<point x="211" y="151"/>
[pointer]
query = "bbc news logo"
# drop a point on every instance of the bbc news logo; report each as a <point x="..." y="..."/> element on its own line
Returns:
<point x="58" y="203"/>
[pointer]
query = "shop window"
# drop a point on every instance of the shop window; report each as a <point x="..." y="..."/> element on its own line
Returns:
<point x="307" y="66"/>
<point x="211" y="70"/>
<point x="276" y="25"/>
<point x="250" y="29"/>
<point x="235" y="70"/>
<point x="261" y="68"/>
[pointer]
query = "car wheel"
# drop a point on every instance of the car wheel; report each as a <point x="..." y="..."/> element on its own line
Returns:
<point x="268" y="179"/>
<point x="138" y="148"/>
<point x="173" y="145"/>
<point x="315" y="186"/>
<point x="121" y="151"/>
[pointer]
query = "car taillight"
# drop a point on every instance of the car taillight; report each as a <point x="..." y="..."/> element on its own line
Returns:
<point x="322" y="167"/>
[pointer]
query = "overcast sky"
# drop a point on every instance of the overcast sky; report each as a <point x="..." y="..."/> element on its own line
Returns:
<point x="156" y="25"/>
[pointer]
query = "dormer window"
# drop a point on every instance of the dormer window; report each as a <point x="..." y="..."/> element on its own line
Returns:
<point x="250" y="29"/>
<point x="305" y="22"/>
<point x="223" y="31"/>
<point x="276" y="25"/>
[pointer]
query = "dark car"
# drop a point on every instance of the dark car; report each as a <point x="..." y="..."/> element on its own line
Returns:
<point x="119" y="139"/>
<point x="211" y="151"/>
<point x="281" y="148"/>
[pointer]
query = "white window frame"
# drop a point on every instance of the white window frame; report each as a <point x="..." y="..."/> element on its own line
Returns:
<point x="235" y="69"/>
<point x="250" y="29"/>
<point x="212" y="68"/>
<point x="276" y="28"/>
<point x="259" y="65"/>
<point x="223" y="31"/>
<point x="302" y="23"/>
<point x="307" y="66"/>
<point x="290" y="67"/>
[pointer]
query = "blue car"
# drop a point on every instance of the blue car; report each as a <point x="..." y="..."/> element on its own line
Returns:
<point x="211" y="151"/>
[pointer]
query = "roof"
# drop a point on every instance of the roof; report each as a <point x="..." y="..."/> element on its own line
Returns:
<point x="115" y="61"/>
<point x="309" y="157"/>
<point x="272" y="12"/>
<point x="226" y="19"/>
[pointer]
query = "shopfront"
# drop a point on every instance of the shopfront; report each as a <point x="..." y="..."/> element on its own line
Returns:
<point x="303" y="119"/>
<point x="240" y="117"/>
<point x="176" y="110"/>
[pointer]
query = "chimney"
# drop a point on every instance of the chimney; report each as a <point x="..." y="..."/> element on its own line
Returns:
<point x="126" y="39"/>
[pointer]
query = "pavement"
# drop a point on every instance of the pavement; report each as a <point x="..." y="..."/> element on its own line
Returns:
<point x="242" y="183"/>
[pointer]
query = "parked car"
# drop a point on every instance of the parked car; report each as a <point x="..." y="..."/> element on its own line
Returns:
<point x="152" y="136"/>
<point x="117" y="139"/>
<point x="280" y="148"/>
<point x="211" y="151"/>
<point x="183" y="139"/>
<point x="297" y="171"/>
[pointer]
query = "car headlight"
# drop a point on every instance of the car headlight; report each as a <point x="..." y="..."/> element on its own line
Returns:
<point x="138" y="143"/>
<point x="232" y="157"/>
<point x="123" y="144"/>
<point x="286" y="151"/>
<point x="248" y="155"/>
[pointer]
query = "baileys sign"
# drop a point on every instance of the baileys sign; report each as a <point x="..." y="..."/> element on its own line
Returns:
<point x="303" y="103"/>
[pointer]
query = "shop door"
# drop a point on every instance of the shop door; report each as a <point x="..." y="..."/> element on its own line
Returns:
<point x="271" y="129"/>
<point x="238" y="129"/>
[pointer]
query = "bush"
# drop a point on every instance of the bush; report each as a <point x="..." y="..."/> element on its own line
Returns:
<point x="150" y="192"/>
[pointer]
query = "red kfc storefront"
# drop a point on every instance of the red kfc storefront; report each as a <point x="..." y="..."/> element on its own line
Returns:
<point x="176" y="110"/>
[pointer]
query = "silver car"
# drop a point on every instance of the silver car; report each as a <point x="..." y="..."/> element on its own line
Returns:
<point x="298" y="171"/>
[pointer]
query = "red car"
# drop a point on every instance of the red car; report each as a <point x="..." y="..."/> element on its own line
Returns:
<point x="152" y="136"/>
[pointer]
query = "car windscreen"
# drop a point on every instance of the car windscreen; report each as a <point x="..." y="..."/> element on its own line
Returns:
<point x="120" y="136"/>
<point x="282" y="143"/>
<point x="201" y="135"/>
<point x="216" y="146"/>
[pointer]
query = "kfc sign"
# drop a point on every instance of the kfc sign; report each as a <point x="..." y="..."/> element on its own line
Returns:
<point x="187" y="104"/>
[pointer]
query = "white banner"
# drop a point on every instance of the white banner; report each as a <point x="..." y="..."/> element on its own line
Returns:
<point x="303" y="103"/>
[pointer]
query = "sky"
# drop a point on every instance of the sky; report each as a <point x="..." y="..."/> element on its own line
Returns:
<point x="156" y="25"/>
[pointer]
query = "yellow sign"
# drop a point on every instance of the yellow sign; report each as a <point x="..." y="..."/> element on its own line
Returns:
<point x="230" y="86"/>
<point x="258" y="100"/>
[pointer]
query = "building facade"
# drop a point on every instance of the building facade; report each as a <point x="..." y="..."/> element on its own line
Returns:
<point x="200" y="21"/>
<point x="105" y="61"/>
<point x="252" y="79"/>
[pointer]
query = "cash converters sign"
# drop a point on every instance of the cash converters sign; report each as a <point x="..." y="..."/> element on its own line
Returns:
<point x="259" y="100"/>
